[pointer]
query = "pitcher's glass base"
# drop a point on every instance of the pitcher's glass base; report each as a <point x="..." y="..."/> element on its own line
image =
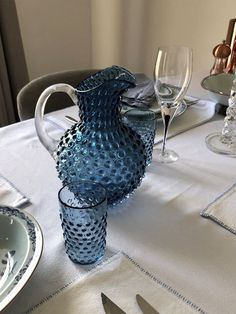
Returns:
<point x="167" y="157"/>
<point x="215" y="144"/>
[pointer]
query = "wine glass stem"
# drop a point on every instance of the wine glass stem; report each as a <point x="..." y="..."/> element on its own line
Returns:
<point x="166" y="127"/>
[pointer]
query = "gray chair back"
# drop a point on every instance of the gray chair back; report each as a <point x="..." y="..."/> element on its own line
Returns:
<point x="29" y="94"/>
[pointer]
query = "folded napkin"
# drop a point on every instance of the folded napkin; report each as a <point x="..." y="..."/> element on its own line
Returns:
<point x="223" y="209"/>
<point x="10" y="195"/>
<point x="142" y="95"/>
<point x="195" y="115"/>
<point x="120" y="279"/>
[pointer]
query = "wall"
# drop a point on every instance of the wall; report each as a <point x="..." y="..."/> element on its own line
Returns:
<point x="55" y="34"/>
<point x="70" y="34"/>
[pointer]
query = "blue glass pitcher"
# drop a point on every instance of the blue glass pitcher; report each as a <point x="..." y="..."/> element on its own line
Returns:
<point x="99" y="147"/>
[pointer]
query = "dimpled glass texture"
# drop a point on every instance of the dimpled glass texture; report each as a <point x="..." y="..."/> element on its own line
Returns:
<point x="101" y="147"/>
<point x="83" y="213"/>
<point x="144" y="122"/>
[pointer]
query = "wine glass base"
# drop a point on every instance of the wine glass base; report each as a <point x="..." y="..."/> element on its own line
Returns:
<point x="167" y="156"/>
<point x="214" y="143"/>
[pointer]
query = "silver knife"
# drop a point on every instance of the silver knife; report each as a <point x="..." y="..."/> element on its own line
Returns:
<point x="145" y="306"/>
<point x="109" y="306"/>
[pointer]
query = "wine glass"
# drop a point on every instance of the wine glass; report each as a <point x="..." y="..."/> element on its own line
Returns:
<point x="172" y="75"/>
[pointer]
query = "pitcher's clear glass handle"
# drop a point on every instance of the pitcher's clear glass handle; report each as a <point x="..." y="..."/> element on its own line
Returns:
<point x="50" y="143"/>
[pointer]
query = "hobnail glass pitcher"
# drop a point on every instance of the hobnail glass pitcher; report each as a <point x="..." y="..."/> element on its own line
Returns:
<point x="99" y="147"/>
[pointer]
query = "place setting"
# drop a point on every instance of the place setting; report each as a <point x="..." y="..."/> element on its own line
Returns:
<point x="118" y="285"/>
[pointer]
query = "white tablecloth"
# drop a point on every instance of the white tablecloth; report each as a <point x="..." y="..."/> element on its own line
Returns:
<point x="160" y="227"/>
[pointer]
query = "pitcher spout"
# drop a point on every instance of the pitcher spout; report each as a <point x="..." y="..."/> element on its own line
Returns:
<point x="122" y="78"/>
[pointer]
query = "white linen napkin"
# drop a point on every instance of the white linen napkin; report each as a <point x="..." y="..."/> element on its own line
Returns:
<point x="10" y="195"/>
<point x="223" y="209"/>
<point x="120" y="279"/>
<point x="142" y="95"/>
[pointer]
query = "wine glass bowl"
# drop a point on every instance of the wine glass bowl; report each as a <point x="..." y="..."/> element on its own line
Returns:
<point x="172" y="75"/>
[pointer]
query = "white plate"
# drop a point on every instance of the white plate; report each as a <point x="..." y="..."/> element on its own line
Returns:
<point x="21" y="244"/>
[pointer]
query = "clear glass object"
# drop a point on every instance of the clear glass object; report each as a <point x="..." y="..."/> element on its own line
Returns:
<point x="83" y="213"/>
<point x="172" y="75"/>
<point x="144" y="122"/>
<point x="224" y="142"/>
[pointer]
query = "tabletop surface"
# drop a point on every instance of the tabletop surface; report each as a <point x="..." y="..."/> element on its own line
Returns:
<point x="160" y="226"/>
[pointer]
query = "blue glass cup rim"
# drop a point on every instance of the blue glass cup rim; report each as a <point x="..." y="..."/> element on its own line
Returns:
<point x="83" y="182"/>
<point x="151" y="114"/>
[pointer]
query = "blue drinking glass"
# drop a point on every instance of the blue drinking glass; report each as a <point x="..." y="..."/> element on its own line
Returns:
<point x="83" y="213"/>
<point x="144" y="123"/>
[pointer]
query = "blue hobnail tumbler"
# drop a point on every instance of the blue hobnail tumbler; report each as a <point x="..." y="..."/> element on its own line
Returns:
<point x="83" y="213"/>
<point x="144" y="123"/>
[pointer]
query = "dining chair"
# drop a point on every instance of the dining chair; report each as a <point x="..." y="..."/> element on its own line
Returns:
<point x="29" y="94"/>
